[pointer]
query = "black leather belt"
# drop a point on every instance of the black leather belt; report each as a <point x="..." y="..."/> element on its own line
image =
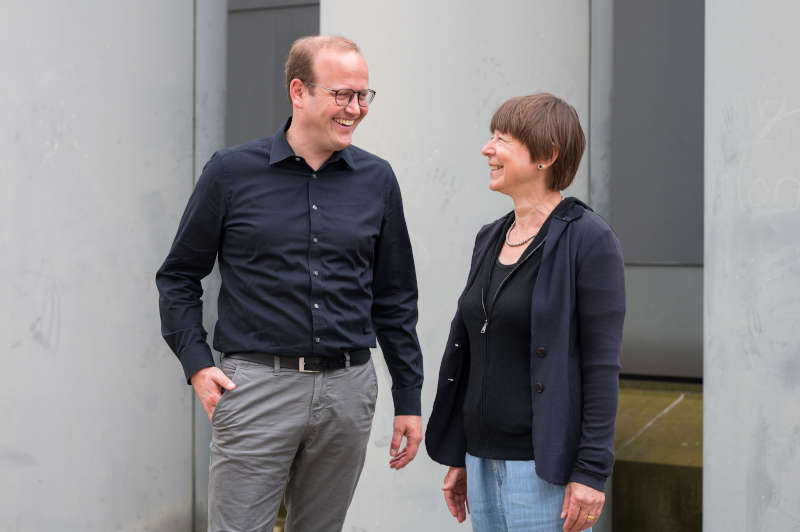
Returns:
<point x="307" y="364"/>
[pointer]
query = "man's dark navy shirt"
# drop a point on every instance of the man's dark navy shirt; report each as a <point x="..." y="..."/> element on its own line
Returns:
<point x="312" y="263"/>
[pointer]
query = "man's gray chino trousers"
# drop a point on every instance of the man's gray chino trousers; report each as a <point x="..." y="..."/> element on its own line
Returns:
<point x="281" y="428"/>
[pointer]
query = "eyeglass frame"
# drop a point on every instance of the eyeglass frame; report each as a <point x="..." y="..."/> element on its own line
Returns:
<point x="369" y="93"/>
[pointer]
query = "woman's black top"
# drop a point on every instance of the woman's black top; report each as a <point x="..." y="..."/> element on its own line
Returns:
<point x="497" y="315"/>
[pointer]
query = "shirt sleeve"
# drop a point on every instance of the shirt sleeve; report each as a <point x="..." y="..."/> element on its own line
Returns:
<point x="600" y="299"/>
<point x="394" y="306"/>
<point x="190" y="259"/>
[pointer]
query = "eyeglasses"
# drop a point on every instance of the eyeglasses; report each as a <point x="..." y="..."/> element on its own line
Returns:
<point x="343" y="97"/>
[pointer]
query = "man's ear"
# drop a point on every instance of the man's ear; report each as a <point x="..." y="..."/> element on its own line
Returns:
<point x="297" y="92"/>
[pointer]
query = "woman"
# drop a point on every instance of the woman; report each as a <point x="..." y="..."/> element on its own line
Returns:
<point x="527" y="394"/>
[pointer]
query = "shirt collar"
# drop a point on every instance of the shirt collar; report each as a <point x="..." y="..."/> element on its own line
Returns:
<point x="281" y="149"/>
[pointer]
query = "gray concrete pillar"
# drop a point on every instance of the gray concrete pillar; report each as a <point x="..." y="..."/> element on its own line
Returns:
<point x="752" y="277"/>
<point x="96" y="161"/>
<point x="440" y="70"/>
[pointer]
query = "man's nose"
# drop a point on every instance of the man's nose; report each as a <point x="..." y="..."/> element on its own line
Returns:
<point x="352" y="107"/>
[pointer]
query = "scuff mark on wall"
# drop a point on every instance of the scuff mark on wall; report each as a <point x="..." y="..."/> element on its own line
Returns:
<point x="489" y="75"/>
<point x="45" y="328"/>
<point x="37" y="314"/>
<point x="15" y="457"/>
<point x="757" y="481"/>
<point x="755" y="138"/>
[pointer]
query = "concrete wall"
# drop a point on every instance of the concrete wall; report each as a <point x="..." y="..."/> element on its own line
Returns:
<point x="260" y="35"/>
<point x="440" y="69"/>
<point x="657" y="131"/>
<point x="96" y="160"/>
<point x="655" y="134"/>
<point x="752" y="267"/>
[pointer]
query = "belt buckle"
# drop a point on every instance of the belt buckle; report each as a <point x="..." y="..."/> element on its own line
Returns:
<point x="301" y="366"/>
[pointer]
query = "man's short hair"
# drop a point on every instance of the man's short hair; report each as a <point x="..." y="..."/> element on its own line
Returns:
<point x="300" y="62"/>
<point x="544" y="123"/>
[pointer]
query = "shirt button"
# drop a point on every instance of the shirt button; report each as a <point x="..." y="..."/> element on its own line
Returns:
<point x="541" y="351"/>
<point x="315" y="240"/>
<point x="316" y="339"/>
<point x="539" y="387"/>
<point x="297" y="159"/>
<point x="316" y="273"/>
<point x="313" y="176"/>
<point x="457" y="346"/>
<point x="316" y="305"/>
<point x="314" y="207"/>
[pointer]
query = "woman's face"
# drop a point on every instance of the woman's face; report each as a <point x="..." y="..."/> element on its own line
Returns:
<point x="510" y="165"/>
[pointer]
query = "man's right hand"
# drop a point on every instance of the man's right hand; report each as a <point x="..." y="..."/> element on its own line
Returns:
<point x="208" y="384"/>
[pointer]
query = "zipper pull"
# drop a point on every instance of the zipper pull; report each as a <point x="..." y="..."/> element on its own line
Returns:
<point x="486" y="322"/>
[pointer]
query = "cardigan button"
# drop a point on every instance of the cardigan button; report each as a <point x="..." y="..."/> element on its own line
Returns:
<point x="456" y="346"/>
<point x="539" y="387"/>
<point x="541" y="351"/>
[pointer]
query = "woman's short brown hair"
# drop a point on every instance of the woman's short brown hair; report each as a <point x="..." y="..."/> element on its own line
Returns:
<point x="546" y="125"/>
<point x="300" y="62"/>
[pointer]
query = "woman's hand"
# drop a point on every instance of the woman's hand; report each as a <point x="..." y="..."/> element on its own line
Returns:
<point x="455" y="492"/>
<point x="582" y="506"/>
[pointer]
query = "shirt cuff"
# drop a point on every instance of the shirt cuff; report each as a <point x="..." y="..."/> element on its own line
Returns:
<point x="407" y="401"/>
<point x="194" y="358"/>
<point x="588" y="479"/>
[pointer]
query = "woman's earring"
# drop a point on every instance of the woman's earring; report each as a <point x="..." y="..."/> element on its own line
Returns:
<point x="541" y="166"/>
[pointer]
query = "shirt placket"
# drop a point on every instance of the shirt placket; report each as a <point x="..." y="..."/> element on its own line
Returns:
<point x="315" y="265"/>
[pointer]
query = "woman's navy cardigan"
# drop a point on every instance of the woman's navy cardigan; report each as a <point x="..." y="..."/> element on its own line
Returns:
<point x="577" y="313"/>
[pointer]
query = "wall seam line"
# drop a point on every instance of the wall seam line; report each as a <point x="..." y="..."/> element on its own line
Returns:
<point x="193" y="475"/>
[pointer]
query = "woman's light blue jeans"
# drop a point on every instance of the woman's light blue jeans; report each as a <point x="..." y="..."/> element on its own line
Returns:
<point x="508" y="496"/>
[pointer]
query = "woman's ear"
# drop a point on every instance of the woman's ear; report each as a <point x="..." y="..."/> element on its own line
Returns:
<point x="547" y="163"/>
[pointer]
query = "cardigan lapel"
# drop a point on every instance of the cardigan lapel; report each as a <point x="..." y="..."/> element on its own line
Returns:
<point x="557" y="226"/>
<point x="559" y="223"/>
<point x="483" y="245"/>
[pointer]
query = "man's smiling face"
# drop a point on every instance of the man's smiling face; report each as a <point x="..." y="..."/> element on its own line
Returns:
<point x="330" y="127"/>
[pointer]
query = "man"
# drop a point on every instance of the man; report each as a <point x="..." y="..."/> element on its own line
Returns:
<point x="315" y="262"/>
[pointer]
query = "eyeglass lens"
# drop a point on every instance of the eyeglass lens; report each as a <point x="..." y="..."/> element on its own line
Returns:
<point x="345" y="96"/>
